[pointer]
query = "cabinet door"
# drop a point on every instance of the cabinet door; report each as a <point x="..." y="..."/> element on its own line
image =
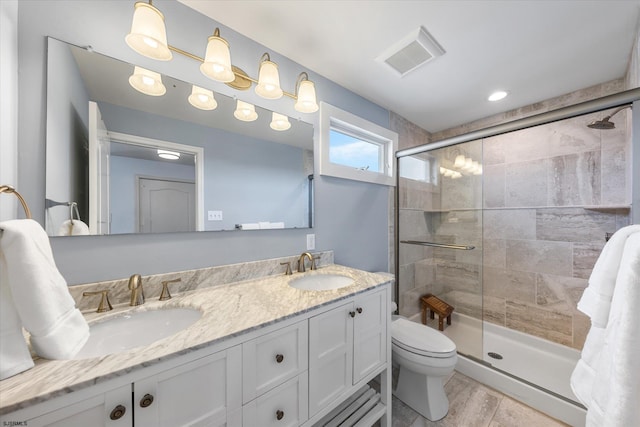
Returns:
<point x="199" y="393"/>
<point x="111" y="409"/>
<point x="273" y="358"/>
<point x="369" y="335"/>
<point x="330" y="356"/>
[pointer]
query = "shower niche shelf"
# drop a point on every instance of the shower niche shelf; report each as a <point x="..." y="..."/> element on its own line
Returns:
<point x="612" y="208"/>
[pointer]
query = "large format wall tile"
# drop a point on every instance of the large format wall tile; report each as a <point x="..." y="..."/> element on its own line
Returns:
<point x="573" y="225"/>
<point x="574" y="179"/>
<point x="509" y="284"/>
<point x="494" y="186"/>
<point x="509" y="224"/>
<point x="539" y="256"/>
<point x="585" y="256"/>
<point x="526" y="183"/>
<point x="614" y="177"/>
<point x="549" y="324"/>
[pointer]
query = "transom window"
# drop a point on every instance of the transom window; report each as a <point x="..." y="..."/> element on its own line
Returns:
<point x="354" y="148"/>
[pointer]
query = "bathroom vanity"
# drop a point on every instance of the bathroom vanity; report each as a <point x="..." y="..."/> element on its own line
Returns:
<point x="263" y="354"/>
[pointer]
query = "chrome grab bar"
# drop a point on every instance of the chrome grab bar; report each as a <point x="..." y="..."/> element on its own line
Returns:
<point x="438" y="245"/>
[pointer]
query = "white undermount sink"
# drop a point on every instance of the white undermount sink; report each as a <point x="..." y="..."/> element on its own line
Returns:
<point x="320" y="282"/>
<point x="134" y="329"/>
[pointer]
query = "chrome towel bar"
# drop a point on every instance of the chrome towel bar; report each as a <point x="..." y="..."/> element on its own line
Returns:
<point x="438" y="245"/>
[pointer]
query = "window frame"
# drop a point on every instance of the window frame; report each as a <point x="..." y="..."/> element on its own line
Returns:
<point x="347" y="123"/>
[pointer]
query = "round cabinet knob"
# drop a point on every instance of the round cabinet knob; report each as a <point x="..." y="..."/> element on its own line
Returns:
<point x="359" y="310"/>
<point x="279" y="358"/>
<point x="279" y="414"/>
<point x="117" y="412"/>
<point x="352" y="313"/>
<point x="146" y="400"/>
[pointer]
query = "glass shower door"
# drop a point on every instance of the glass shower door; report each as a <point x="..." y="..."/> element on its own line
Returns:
<point x="440" y="238"/>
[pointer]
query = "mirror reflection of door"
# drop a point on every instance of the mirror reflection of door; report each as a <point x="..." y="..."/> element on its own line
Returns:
<point x="165" y="206"/>
<point x="99" y="150"/>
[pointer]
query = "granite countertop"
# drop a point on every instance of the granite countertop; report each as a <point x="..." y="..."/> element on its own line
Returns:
<point x="227" y="311"/>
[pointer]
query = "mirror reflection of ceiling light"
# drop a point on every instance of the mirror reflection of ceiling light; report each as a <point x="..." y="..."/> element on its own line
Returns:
<point x="147" y="81"/>
<point x="279" y="122"/>
<point x="245" y="112"/>
<point x="148" y="37"/>
<point x="169" y="155"/>
<point x="497" y="96"/>
<point x="202" y="98"/>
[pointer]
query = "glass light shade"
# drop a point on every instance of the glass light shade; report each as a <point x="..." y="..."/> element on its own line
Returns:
<point x="456" y="175"/>
<point x="478" y="171"/>
<point x="279" y="122"/>
<point x="169" y="155"/>
<point x="306" y="102"/>
<point x="147" y="81"/>
<point x="459" y="162"/>
<point x="442" y="170"/>
<point x="245" y="112"/>
<point x="468" y="164"/>
<point x="202" y="98"/>
<point x="217" y="60"/>
<point x="148" y="35"/>
<point x="269" y="81"/>
<point x="448" y="172"/>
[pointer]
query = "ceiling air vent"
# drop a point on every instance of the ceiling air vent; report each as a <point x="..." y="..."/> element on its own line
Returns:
<point x="417" y="48"/>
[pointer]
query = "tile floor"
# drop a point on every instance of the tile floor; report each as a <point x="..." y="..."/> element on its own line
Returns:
<point x="472" y="404"/>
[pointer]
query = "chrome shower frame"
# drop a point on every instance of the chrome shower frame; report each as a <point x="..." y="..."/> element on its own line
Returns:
<point x="622" y="99"/>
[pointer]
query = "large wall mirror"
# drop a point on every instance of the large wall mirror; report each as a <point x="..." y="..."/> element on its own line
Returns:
<point x="122" y="161"/>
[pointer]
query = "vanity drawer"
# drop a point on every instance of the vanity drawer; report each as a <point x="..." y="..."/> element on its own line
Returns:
<point x="273" y="358"/>
<point x="285" y="406"/>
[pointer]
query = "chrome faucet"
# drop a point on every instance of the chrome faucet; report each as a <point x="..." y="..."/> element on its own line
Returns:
<point x="137" y="291"/>
<point x="301" y="268"/>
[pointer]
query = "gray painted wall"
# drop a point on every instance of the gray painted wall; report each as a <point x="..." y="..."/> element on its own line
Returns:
<point x="351" y="217"/>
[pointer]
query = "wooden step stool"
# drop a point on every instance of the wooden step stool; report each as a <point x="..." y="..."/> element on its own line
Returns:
<point x="434" y="305"/>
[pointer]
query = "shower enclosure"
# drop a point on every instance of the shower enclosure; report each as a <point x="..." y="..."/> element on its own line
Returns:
<point x="505" y="225"/>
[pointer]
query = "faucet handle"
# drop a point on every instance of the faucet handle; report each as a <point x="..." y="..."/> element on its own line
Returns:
<point x="314" y="266"/>
<point x="105" y="304"/>
<point x="165" y="295"/>
<point x="288" y="270"/>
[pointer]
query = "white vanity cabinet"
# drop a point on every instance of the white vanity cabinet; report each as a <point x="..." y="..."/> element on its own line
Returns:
<point x="204" y="392"/>
<point x="296" y="371"/>
<point x="346" y="345"/>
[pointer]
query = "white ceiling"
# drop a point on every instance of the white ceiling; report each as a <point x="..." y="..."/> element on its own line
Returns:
<point x="534" y="49"/>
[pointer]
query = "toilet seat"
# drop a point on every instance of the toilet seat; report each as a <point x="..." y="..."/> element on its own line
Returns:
<point x="420" y="339"/>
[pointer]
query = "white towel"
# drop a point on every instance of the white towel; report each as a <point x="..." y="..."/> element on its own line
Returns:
<point x="73" y="228"/>
<point x="14" y="353"/>
<point x="596" y="299"/>
<point x="250" y="226"/>
<point x="264" y="225"/>
<point x="607" y="377"/>
<point x="277" y="225"/>
<point x="40" y="294"/>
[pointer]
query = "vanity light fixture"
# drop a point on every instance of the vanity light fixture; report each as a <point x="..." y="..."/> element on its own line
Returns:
<point x="202" y="98"/>
<point x="148" y="38"/>
<point x="148" y="35"/>
<point x="217" y="59"/>
<point x="268" y="85"/>
<point x="147" y="81"/>
<point x="498" y="95"/>
<point x="169" y="155"/>
<point x="279" y="122"/>
<point x="245" y="112"/>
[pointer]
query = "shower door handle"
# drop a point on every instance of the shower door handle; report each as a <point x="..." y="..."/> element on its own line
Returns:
<point x="439" y="245"/>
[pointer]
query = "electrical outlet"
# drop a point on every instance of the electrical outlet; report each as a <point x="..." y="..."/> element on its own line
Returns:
<point x="311" y="242"/>
<point x="214" y="216"/>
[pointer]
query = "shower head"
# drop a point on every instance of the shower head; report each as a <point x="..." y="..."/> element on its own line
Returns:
<point x="602" y="124"/>
<point x="605" y="124"/>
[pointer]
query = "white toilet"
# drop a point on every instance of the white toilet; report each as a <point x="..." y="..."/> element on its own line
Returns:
<point x="426" y="356"/>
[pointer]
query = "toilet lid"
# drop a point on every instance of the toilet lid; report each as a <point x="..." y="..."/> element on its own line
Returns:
<point x="421" y="339"/>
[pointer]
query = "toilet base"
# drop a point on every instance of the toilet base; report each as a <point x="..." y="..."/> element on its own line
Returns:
<point x="424" y="394"/>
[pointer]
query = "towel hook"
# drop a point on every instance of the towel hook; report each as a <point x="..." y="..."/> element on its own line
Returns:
<point x="9" y="189"/>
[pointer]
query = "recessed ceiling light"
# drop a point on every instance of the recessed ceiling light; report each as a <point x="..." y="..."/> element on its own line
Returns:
<point x="497" y="96"/>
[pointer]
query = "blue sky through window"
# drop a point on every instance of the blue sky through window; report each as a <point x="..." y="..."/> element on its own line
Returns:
<point x="349" y="151"/>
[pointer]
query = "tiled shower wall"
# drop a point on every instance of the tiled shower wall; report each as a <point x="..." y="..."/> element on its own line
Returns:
<point x="538" y="216"/>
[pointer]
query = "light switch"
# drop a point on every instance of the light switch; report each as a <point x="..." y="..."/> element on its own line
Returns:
<point x="214" y="216"/>
<point x="311" y="242"/>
